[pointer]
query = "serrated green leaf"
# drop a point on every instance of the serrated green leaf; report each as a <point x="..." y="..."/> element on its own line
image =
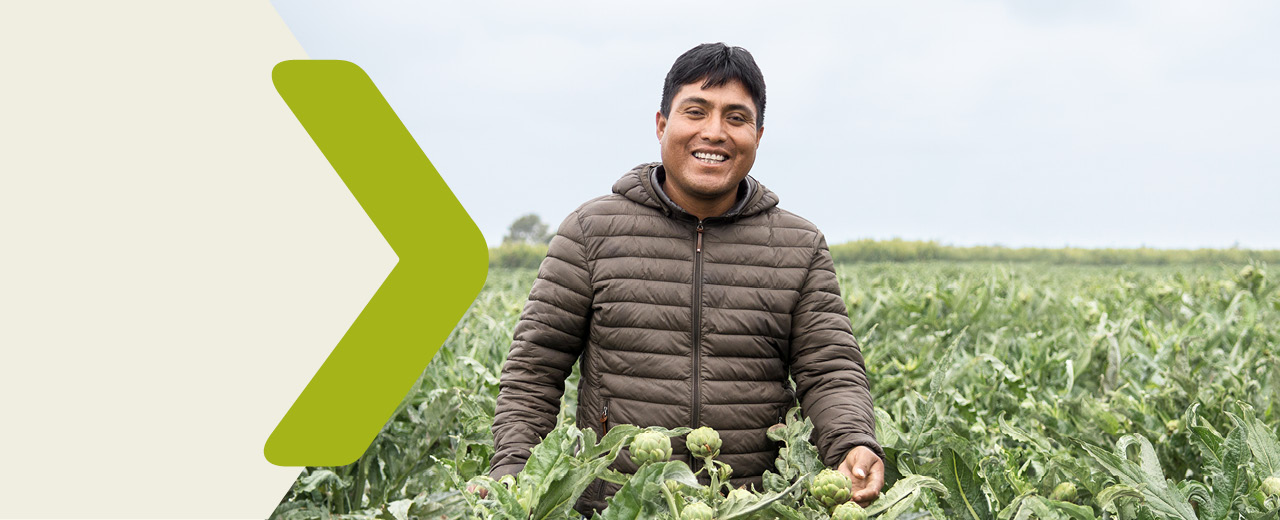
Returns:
<point x="1230" y="480"/>
<point x="1046" y="509"/>
<point x="639" y="497"/>
<point x="905" y="489"/>
<point x="785" y="512"/>
<point x="547" y="463"/>
<point x="613" y="441"/>
<point x="798" y="457"/>
<point x="774" y="482"/>
<point x="559" y="494"/>
<point x="1262" y="443"/>
<point x="964" y="492"/>
<point x="1024" y="436"/>
<point x="887" y="432"/>
<point x="398" y="510"/>
<point x="742" y="509"/>
<point x="1145" y="476"/>
<point x="499" y="495"/>
<point x="320" y="477"/>
<point x="1107" y="497"/>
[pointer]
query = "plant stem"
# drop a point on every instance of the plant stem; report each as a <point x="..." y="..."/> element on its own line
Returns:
<point x="714" y="473"/>
<point x="671" y="501"/>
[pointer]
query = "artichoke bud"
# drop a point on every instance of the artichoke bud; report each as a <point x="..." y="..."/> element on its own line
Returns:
<point x="697" y="511"/>
<point x="1064" y="492"/>
<point x="849" y="511"/>
<point x="741" y="494"/>
<point x="1271" y="486"/>
<point x="703" y="442"/>
<point x="649" y="447"/>
<point x="831" y="488"/>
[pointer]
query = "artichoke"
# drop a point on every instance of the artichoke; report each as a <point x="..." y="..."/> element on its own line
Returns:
<point x="649" y="447"/>
<point x="1271" y="486"/>
<point x="697" y="511"/>
<point x="741" y="494"/>
<point x="831" y="488"/>
<point x="1065" y="492"/>
<point x="849" y="511"/>
<point x="703" y="442"/>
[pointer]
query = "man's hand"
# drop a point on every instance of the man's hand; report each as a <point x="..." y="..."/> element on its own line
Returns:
<point x="866" y="470"/>
<point x="477" y="490"/>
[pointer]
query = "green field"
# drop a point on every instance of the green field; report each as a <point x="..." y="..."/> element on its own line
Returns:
<point x="1027" y="390"/>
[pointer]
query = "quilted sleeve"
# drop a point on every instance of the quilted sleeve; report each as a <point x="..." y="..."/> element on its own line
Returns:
<point x="827" y="365"/>
<point x="547" y="341"/>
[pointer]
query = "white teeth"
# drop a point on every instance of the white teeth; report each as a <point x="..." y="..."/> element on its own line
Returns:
<point x="709" y="156"/>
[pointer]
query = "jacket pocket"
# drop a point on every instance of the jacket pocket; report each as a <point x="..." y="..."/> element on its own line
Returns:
<point x="786" y="406"/>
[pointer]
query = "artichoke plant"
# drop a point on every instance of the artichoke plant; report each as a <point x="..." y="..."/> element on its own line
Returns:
<point x="831" y="488"/>
<point x="697" y="511"/>
<point x="704" y="442"/>
<point x="848" y="511"/>
<point x="650" y="446"/>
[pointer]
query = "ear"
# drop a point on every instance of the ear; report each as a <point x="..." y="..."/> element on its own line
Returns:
<point x="759" y="135"/>
<point x="661" y="122"/>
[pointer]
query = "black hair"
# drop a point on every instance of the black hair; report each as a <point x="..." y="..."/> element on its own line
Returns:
<point x="716" y="64"/>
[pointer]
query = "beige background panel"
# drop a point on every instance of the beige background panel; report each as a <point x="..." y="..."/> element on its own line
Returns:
<point x="178" y="258"/>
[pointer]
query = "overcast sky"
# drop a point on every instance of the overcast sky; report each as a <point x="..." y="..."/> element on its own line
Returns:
<point x="1093" y="123"/>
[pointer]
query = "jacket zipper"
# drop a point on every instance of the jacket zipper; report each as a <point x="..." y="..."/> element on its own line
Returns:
<point x="604" y="417"/>
<point x="697" y="328"/>
<point x="697" y="337"/>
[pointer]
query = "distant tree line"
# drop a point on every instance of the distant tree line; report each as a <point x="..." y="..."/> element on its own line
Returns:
<point x="531" y="248"/>
<point x="898" y="250"/>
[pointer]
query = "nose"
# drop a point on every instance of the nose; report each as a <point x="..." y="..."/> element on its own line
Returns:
<point x="713" y="130"/>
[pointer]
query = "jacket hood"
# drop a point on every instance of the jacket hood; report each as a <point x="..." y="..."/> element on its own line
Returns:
<point x="642" y="186"/>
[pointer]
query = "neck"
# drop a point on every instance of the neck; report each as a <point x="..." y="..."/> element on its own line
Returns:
<point x="698" y="207"/>
<point x="704" y="210"/>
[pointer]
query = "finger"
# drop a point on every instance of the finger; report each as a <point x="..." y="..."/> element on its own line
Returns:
<point x="877" y="475"/>
<point x="865" y="497"/>
<point x="847" y="469"/>
<point x="871" y="487"/>
<point x="864" y="459"/>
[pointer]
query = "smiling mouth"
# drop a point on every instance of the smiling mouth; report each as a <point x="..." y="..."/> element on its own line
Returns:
<point x="709" y="158"/>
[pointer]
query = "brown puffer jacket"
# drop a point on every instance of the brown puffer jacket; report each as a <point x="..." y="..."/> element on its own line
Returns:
<point x="685" y="323"/>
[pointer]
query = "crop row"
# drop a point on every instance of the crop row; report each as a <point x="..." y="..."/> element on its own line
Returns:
<point x="1027" y="391"/>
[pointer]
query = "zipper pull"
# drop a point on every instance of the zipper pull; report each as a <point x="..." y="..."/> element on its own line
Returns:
<point x="604" y="417"/>
<point x="699" y="245"/>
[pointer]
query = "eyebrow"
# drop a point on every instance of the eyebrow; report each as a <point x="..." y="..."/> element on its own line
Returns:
<point x="695" y="100"/>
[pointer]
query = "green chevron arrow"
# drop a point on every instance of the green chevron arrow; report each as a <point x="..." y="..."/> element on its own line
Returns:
<point x="443" y="262"/>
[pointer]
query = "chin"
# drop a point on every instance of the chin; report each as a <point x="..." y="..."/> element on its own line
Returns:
<point x="715" y="193"/>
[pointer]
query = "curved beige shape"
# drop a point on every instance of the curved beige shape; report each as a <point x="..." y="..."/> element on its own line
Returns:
<point x="178" y="259"/>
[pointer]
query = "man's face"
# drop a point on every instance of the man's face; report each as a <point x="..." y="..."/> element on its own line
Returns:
<point x="709" y="142"/>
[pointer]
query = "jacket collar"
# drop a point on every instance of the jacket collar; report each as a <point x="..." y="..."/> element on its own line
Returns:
<point x="643" y="185"/>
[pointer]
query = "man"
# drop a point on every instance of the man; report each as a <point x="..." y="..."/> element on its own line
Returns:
<point x="688" y="297"/>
